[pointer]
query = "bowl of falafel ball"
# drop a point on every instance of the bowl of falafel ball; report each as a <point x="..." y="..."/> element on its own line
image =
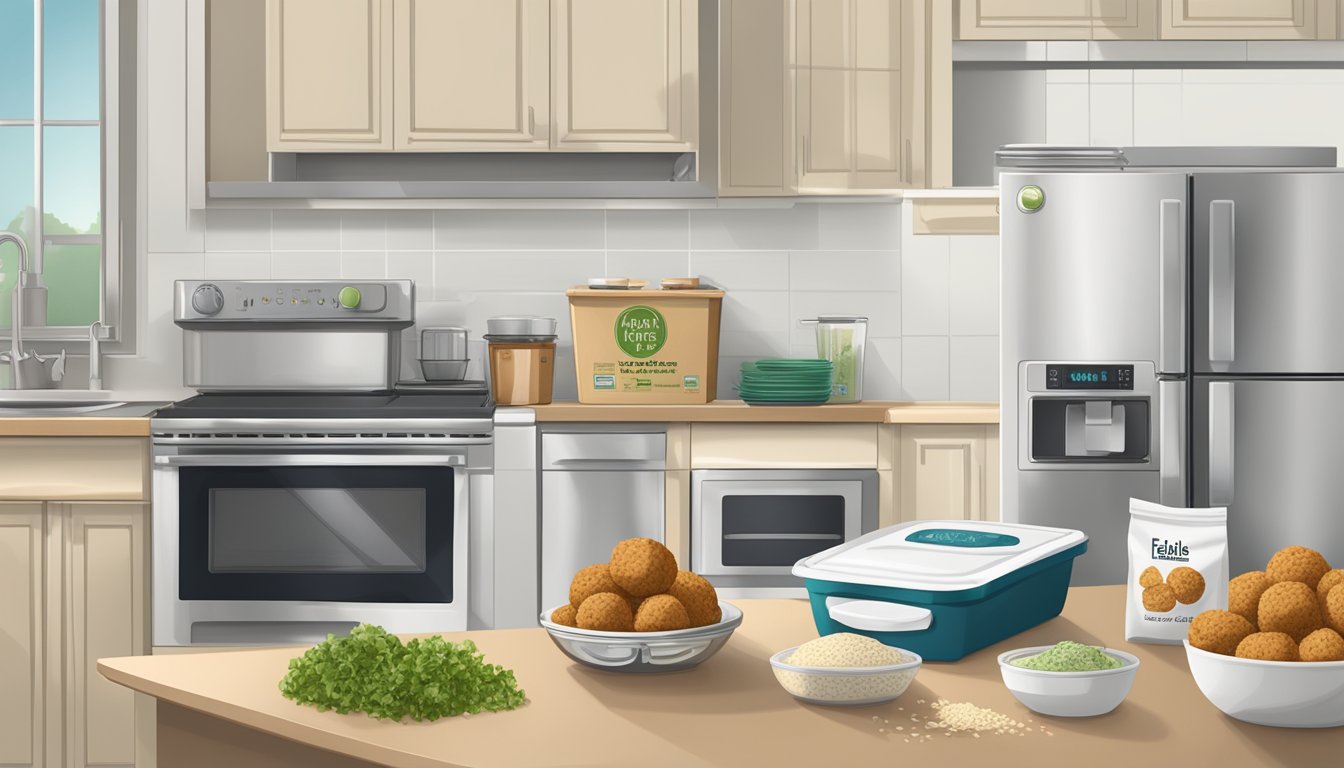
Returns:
<point x="639" y="613"/>
<point x="1276" y="655"/>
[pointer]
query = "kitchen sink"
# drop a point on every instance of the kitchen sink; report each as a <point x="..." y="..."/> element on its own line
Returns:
<point x="56" y="402"/>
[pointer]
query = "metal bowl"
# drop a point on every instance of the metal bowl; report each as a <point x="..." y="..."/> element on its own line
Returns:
<point x="444" y="370"/>
<point x="643" y="652"/>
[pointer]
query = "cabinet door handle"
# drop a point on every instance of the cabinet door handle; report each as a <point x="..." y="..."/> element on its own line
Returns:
<point x="532" y="121"/>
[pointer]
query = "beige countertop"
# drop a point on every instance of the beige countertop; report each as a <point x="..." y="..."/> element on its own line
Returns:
<point x="866" y="412"/>
<point x="730" y="710"/>
<point x="129" y="420"/>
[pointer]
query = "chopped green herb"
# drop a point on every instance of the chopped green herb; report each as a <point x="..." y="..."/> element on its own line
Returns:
<point x="371" y="671"/>
<point x="1069" y="656"/>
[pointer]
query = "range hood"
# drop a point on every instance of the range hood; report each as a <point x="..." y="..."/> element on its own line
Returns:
<point x="497" y="175"/>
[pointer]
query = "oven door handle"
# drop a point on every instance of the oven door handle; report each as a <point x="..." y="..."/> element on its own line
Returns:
<point x="307" y="460"/>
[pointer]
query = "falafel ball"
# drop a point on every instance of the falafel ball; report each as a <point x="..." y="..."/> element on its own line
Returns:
<point x="1328" y="582"/>
<point x="606" y="612"/>
<point x="594" y="579"/>
<point x="1334" y="608"/>
<point x="1218" y="631"/>
<point x="1243" y="594"/>
<point x="1159" y="599"/>
<point x="661" y="613"/>
<point x="643" y="567"/>
<point x="566" y="615"/>
<point x="1324" y="644"/>
<point x="1268" y="646"/>
<point x="1297" y="564"/>
<point x="1290" y="607"/>
<point x="1187" y="583"/>
<point x="1150" y="577"/>
<point x="699" y="597"/>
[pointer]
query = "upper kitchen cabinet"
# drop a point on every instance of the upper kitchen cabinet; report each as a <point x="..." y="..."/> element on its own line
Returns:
<point x="472" y="75"/>
<point x="1250" y="19"/>
<point x="838" y="96"/>
<point x="1057" y="19"/>
<point x="329" y="75"/>
<point x="625" y="75"/>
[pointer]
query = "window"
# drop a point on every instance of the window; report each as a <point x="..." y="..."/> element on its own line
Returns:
<point x="59" y="185"/>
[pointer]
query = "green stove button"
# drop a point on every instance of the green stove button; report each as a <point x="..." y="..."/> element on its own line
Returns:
<point x="349" y="297"/>
<point x="1030" y="198"/>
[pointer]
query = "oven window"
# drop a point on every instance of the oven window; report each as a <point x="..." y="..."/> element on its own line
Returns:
<point x="317" y="530"/>
<point x="317" y="533"/>
<point x="778" y="529"/>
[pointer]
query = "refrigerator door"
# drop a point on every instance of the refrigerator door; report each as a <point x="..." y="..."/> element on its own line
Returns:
<point x="1093" y="268"/>
<point x="1270" y="450"/>
<point x="1267" y="274"/>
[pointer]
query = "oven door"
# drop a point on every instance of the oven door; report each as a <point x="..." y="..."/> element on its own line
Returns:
<point x="271" y="547"/>
<point x="762" y="522"/>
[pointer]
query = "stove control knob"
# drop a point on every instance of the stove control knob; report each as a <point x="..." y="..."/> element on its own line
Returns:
<point x="207" y="299"/>
<point x="349" y="297"/>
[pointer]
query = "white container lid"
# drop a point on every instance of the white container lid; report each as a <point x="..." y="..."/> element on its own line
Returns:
<point x="937" y="555"/>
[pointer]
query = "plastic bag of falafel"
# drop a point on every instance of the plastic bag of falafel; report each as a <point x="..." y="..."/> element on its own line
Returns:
<point x="1177" y="568"/>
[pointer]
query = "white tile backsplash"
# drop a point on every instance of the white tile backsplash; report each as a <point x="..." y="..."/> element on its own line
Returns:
<point x="924" y="368"/>
<point x="777" y="264"/>
<point x="844" y="270"/>
<point x="973" y="368"/>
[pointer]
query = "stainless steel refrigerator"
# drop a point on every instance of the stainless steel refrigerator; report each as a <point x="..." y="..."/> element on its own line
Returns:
<point x="1171" y="331"/>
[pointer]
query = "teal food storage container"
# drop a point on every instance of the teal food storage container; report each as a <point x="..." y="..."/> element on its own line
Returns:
<point x="942" y="588"/>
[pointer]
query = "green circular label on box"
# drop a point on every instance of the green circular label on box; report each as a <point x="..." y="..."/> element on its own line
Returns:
<point x="640" y="331"/>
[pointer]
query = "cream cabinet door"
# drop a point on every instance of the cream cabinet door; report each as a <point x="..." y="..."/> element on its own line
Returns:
<point x="1058" y="19"/>
<point x="624" y="74"/>
<point x="328" y="75"/>
<point x="1249" y="19"/>
<point x="756" y="113"/>
<point x="942" y="472"/>
<point x="472" y="75"/>
<point x="856" y="94"/>
<point x="23" y="683"/>
<point x="105" y="593"/>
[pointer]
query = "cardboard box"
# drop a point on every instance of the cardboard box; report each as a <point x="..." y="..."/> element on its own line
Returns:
<point x="648" y="347"/>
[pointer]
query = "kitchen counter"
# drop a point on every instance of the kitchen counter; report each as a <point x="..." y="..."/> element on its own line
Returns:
<point x="866" y="412"/>
<point x="129" y="420"/>
<point x="728" y="711"/>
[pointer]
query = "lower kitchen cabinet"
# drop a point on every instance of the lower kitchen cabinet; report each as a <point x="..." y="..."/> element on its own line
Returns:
<point x="948" y="472"/>
<point x="76" y="589"/>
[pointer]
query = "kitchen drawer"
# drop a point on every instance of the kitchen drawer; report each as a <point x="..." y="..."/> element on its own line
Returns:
<point x="74" y="469"/>
<point x="590" y="450"/>
<point x="780" y="446"/>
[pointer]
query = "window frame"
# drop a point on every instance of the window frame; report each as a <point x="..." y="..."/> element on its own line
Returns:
<point x="116" y="277"/>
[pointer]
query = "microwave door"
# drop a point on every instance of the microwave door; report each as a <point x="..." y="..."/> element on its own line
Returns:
<point x="1267" y="277"/>
<point x="1269" y="450"/>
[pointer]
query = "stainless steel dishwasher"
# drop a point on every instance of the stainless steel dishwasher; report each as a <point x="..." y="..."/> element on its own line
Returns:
<point x="596" y="489"/>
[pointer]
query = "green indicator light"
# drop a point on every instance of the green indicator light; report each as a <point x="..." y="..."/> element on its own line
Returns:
<point x="1030" y="198"/>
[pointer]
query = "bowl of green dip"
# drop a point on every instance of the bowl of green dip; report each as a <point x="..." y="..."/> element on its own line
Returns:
<point x="1069" y="679"/>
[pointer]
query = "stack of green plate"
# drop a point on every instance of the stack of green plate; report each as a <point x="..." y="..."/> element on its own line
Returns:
<point x="785" y="381"/>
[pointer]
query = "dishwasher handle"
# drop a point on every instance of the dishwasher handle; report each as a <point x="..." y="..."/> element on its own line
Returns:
<point x="603" y="450"/>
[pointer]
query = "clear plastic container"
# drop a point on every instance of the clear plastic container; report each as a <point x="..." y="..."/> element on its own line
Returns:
<point x="841" y="339"/>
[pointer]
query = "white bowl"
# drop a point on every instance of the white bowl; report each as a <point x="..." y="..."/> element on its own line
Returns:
<point x="643" y="651"/>
<point x="1286" y="694"/>
<point x="845" y="686"/>
<point x="1069" y="694"/>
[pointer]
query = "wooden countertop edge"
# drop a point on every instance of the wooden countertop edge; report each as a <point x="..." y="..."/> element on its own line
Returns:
<point x="267" y="723"/>
<point x="75" y="426"/>
<point x="728" y="411"/>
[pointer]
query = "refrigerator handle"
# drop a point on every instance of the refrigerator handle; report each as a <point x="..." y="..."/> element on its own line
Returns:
<point x="1172" y="443"/>
<point x="1222" y="280"/>
<point x="1171" y="287"/>
<point x="1222" y="458"/>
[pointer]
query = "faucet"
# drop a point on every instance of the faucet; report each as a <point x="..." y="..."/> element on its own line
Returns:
<point x="95" y="357"/>
<point x="30" y="371"/>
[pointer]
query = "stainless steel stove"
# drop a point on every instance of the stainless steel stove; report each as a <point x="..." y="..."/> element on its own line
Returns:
<point x="304" y="491"/>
